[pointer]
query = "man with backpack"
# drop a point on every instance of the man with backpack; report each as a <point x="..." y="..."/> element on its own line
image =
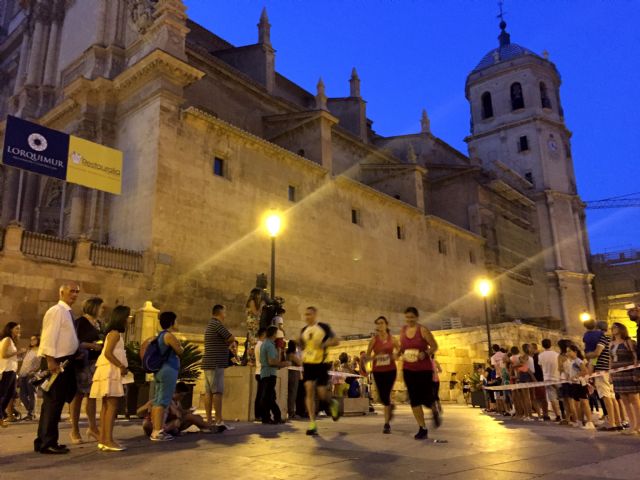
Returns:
<point x="217" y="340"/>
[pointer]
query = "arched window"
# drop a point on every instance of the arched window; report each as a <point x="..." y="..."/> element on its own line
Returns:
<point x="544" y="96"/>
<point x="517" y="100"/>
<point x="487" y="105"/>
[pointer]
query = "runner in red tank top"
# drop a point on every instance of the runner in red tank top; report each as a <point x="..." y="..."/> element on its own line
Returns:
<point x="416" y="346"/>
<point x="384" y="346"/>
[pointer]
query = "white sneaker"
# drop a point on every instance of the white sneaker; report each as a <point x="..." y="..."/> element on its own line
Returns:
<point x="589" y="426"/>
<point x="221" y="427"/>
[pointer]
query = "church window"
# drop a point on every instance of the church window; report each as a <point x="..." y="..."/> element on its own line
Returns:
<point x="544" y="96"/>
<point x="472" y="256"/>
<point x="218" y="167"/>
<point x="487" y="105"/>
<point x="442" y="246"/>
<point x="517" y="99"/>
<point x="355" y="217"/>
<point x="529" y="177"/>
<point x="400" y="232"/>
<point x="292" y="193"/>
<point x="523" y="143"/>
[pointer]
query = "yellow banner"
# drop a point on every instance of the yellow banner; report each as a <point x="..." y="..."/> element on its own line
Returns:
<point x="95" y="166"/>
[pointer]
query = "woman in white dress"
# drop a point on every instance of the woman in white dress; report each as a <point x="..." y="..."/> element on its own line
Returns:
<point x="107" y="380"/>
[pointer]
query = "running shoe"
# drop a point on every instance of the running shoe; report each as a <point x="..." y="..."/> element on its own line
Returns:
<point x="386" y="429"/>
<point x="161" y="437"/>
<point x="312" y="432"/>
<point x="422" y="434"/>
<point x="589" y="426"/>
<point x="334" y="410"/>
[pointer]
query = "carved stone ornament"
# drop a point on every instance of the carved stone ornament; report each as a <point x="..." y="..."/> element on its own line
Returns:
<point x="141" y="13"/>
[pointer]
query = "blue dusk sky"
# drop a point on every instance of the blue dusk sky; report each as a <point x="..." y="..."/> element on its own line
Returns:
<point x="415" y="54"/>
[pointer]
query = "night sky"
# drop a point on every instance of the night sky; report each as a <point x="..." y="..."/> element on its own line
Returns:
<point x="413" y="54"/>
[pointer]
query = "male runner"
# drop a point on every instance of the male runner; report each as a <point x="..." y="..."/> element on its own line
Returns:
<point x="315" y="337"/>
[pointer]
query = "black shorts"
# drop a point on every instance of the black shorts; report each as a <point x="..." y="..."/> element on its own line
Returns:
<point x="316" y="372"/>
<point x="578" y="392"/>
<point x="384" y="384"/>
<point x="419" y="387"/>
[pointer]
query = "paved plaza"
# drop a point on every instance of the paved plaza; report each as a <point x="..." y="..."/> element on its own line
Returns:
<point x="478" y="447"/>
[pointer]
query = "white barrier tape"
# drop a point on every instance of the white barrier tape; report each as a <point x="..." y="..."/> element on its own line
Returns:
<point x="331" y="372"/>
<point x="582" y="380"/>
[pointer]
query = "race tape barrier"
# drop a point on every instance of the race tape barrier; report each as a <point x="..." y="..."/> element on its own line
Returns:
<point x="582" y="380"/>
<point x="333" y="373"/>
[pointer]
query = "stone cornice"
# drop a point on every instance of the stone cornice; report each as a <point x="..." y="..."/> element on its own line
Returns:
<point x="156" y="63"/>
<point x="356" y="142"/>
<point x="344" y="180"/>
<point x="261" y="142"/>
<point x="61" y="114"/>
<point x="394" y="166"/>
<point x="536" y="118"/>
<point x="432" y="219"/>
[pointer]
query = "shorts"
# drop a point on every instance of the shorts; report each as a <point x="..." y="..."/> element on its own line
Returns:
<point x="165" y="386"/>
<point x="384" y="384"/>
<point x="604" y="387"/>
<point x="578" y="392"/>
<point x="316" y="372"/>
<point x="552" y="393"/>
<point x="420" y="387"/>
<point x="214" y="381"/>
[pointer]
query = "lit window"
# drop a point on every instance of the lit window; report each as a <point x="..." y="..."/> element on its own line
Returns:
<point x="218" y="167"/>
<point x="292" y="193"/>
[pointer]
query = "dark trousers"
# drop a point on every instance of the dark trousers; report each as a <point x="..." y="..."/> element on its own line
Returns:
<point x="7" y="391"/>
<point x="62" y="391"/>
<point x="27" y="394"/>
<point x="269" y="404"/>
<point x="257" y="405"/>
<point x="292" y="391"/>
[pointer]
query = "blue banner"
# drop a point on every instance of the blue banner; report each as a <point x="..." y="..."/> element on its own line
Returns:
<point x="35" y="148"/>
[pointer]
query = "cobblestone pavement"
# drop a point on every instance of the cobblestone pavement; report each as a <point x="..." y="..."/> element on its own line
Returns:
<point x="478" y="447"/>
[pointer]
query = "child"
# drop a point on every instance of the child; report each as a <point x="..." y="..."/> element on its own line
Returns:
<point x="578" y="390"/>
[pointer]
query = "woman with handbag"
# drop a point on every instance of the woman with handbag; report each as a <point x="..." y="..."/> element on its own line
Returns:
<point x="627" y="383"/>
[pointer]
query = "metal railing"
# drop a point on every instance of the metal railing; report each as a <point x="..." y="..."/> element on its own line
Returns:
<point x="616" y="257"/>
<point x="118" y="258"/>
<point x="46" y="246"/>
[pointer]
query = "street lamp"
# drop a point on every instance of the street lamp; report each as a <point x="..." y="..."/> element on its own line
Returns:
<point x="585" y="317"/>
<point x="273" y="224"/>
<point x="484" y="288"/>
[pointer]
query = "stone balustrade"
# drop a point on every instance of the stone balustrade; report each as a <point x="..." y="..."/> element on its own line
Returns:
<point x="17" y="242"/>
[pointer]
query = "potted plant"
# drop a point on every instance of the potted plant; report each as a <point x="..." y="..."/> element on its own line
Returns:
<point x="478" y="398"/>
<point x="190" y="370"/>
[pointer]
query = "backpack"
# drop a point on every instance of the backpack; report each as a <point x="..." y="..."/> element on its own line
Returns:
<point x="152" y="359"/>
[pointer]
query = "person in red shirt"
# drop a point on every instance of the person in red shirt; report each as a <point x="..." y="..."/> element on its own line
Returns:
<point x="385" y="348"/>
<point x="416" y="346"/>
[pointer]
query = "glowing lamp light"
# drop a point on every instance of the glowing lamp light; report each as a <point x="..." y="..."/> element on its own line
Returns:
<point x="585" y="317"/>
<point x="273" y="223"/>
<point x="484" y="287"/>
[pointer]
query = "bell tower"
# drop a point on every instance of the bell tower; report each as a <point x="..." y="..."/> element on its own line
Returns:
<point x="517" y="124"/>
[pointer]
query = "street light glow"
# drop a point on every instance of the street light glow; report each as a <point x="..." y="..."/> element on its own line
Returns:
<point x="585" y="317"/>
<point x="484" y="287"/>
<point x="273" y="223"/>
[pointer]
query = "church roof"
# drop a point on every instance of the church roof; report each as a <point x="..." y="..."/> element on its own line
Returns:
<point x="505" y="51"/>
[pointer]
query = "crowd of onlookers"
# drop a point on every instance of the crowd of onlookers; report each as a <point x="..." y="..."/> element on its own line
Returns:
<point x="579" y="386"/>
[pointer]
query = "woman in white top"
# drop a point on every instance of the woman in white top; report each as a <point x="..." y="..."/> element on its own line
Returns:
<point x="30" y="366"/>
<point x="107" y="379"/>
<point x="8" y="367"/>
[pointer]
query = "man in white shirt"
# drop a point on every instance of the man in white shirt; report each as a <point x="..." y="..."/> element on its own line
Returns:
<point x="548" y="361"/>
<point x="257" y="406"/>
<point x="58" y="343"/>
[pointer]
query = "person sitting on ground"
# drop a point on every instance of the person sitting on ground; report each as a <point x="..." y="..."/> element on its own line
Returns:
<point x="178" y="419"/>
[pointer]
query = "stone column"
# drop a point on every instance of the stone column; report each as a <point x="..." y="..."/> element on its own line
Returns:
<point x="13" y="238"/>
<point x="146" y="322"/>
<point x="30" y="200"/>
<point x="51" y="65"/>
<point x="77" y="205"/>
<point x="9" y="195"/>
<point x="36" y="58"/>
<point x="580" y="238"/>
<point x="24" y="56"/>
<point x="554" y="233"/>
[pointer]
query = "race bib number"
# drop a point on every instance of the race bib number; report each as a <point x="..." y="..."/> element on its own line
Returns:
<point x="383" y="360"/>
<point x="411" y="355"/>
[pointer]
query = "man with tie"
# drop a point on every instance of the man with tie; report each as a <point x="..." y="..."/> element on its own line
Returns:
<point x="58" y="343"/>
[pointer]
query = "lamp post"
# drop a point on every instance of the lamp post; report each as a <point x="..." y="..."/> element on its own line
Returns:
<point x="273" y="223"/>
<point x="484" y="287"/>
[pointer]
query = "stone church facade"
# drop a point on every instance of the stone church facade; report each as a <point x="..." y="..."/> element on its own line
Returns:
<point x="213" y="137"/>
